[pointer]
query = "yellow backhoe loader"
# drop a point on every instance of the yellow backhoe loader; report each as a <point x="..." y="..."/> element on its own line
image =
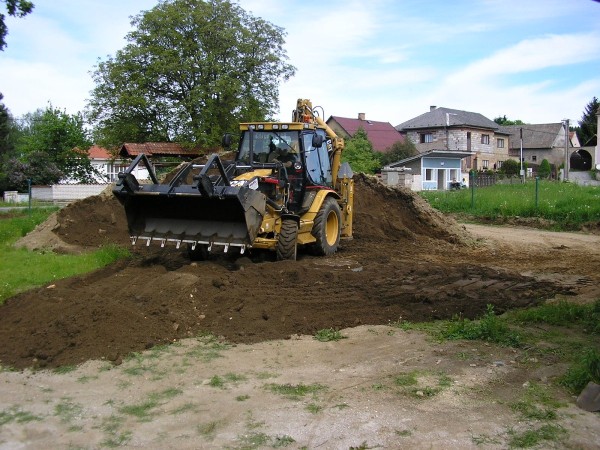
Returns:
<point x="286" y="188"/>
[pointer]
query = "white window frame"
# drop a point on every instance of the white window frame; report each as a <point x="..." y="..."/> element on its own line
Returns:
<point x="485" y="139"/>
<point x="426" y="138"/>
<point x="500" y="142"/>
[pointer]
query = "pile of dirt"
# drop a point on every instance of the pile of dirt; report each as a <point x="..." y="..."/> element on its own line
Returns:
<point x="406" y="262"/>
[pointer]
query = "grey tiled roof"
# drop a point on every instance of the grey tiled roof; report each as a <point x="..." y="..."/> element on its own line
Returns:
<point x="534" y="136"/>
<point x="456" y="117"/>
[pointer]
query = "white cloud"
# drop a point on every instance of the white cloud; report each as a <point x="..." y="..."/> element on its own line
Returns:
<point x="51" y="51"/>
<point x="534" y="54"/>
<point x="390" y="59"/>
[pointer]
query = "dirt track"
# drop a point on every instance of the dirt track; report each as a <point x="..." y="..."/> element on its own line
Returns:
<point x="407" y="262"/>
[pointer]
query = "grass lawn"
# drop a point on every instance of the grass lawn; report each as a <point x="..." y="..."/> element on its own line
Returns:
<point x="567" y="205"/>
<point x="21" y="269"/>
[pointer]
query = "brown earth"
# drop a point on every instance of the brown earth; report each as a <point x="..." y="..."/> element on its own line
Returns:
<point x="406" y="263"/>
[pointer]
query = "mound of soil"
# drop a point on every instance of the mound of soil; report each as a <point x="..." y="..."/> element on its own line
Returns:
<point x="406" y="262"/>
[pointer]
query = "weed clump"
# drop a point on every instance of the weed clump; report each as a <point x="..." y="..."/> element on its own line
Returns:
<point x="585" y="369"/>
<point x="489" y="328"/>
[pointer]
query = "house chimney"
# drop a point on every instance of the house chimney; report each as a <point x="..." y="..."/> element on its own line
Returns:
<point x="361" y="116"/>
<point x="432" y="107"/>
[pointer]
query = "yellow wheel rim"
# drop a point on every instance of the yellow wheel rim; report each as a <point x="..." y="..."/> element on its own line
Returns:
<point x="332" y="228"/>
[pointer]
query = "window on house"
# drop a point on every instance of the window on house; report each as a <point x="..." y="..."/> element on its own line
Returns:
<point x="500" y="143"/>
<point x="500" y="164"/>
<point x="485" y="163"/>
<point x="426" y="138"/>
<point x="429" y="173"/>
<point x="534" y="158"/>
<point x="454" y="175"/>
<point x="485" y="138"/>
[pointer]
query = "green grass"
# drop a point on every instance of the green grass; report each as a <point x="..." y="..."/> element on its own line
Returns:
<point x="209" y="347"/>
<point x="328" y="334"/>
<point x="489" y="328"/>
<point x="16" y="414"/>
<point x="585" y="368"/>
<point x="568" y="205"/>
<point x="406" y="379"/>
<point x="562" y="313"/>
<point x="43" y="268"/>
<point x="144" y="411"/>
<point x="535" y="437"/>
<point x="567" y="332"/>
<point x="295" y="391"/>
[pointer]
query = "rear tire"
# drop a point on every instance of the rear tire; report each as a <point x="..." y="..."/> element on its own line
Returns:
<point x="287" y="243"/>
<point x="327" y="228"/>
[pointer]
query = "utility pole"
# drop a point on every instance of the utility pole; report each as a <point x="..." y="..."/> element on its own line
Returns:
<point x="522" y="172"/>
<point x="566" y="169"/>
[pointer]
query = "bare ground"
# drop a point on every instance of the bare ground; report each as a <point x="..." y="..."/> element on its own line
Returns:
<point x="406" y="263"/>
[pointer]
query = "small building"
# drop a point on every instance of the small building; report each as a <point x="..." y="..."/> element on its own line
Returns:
<point x="381" y="135"/>
<point x="108" y="165"/>
<point x="159" y="149"/>
<point x="547" y="141"/>
<point x="431" y="170"/>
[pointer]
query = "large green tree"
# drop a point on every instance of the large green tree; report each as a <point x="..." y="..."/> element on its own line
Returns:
<point x="503" y="120"/>
<point x="398" y="151"/>
<point x="15" y="8"/>
<point x="6" y="127"/>
<point x="191" y="71"/>
<point x="53" y="136"/>
<point x="587" y="133"/>
<point x="359" y="153"/>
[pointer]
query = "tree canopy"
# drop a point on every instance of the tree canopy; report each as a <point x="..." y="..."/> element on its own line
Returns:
<point x="359" y="153"/>
<point x="511" y="167"/>
<point x="191" y="71"/>
<point x="6" y="144"/>
<point x="15" y="8"/>
<point x="398" y="151"/>
<point x="52" y="146"/>
<point x="587" y="133"/>
<point x="503" y="120"/>
<point x="545" y="169"/>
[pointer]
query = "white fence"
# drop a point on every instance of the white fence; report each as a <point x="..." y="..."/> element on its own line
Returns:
<point x="56" y="193"/>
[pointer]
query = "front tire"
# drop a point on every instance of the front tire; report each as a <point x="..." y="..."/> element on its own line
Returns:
<point x="287" y="243"/>
<point x="327" y="228"/>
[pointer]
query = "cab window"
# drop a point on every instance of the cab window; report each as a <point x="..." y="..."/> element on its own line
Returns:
<point x="318" y="166"/>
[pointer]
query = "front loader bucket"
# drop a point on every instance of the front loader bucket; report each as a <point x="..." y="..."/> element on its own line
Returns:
<point x="230" y="216"/>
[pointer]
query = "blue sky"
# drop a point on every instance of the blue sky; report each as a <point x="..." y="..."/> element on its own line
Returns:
<point x="534" y="60"/>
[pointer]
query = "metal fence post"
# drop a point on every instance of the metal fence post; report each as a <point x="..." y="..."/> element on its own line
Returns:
<point x="29" y="193"/>
<point x="537" y="182"/>
<point x="472" y="182"/>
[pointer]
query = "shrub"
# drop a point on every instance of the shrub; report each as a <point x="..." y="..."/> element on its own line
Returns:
<point x="544" y="169"/>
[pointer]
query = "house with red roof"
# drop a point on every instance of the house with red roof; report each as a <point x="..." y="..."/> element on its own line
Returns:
<point x="382" y="135"/>
<point x="109" y="164"/>
<point x="159" y="149"/>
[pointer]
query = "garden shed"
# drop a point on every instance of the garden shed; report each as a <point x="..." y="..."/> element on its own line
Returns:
<point x="431" y="170"/>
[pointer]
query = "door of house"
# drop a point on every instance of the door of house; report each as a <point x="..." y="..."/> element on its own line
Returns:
<point x="441" y="179"/>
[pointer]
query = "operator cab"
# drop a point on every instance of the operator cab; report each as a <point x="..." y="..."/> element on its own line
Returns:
<point x="302" y="154"/>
